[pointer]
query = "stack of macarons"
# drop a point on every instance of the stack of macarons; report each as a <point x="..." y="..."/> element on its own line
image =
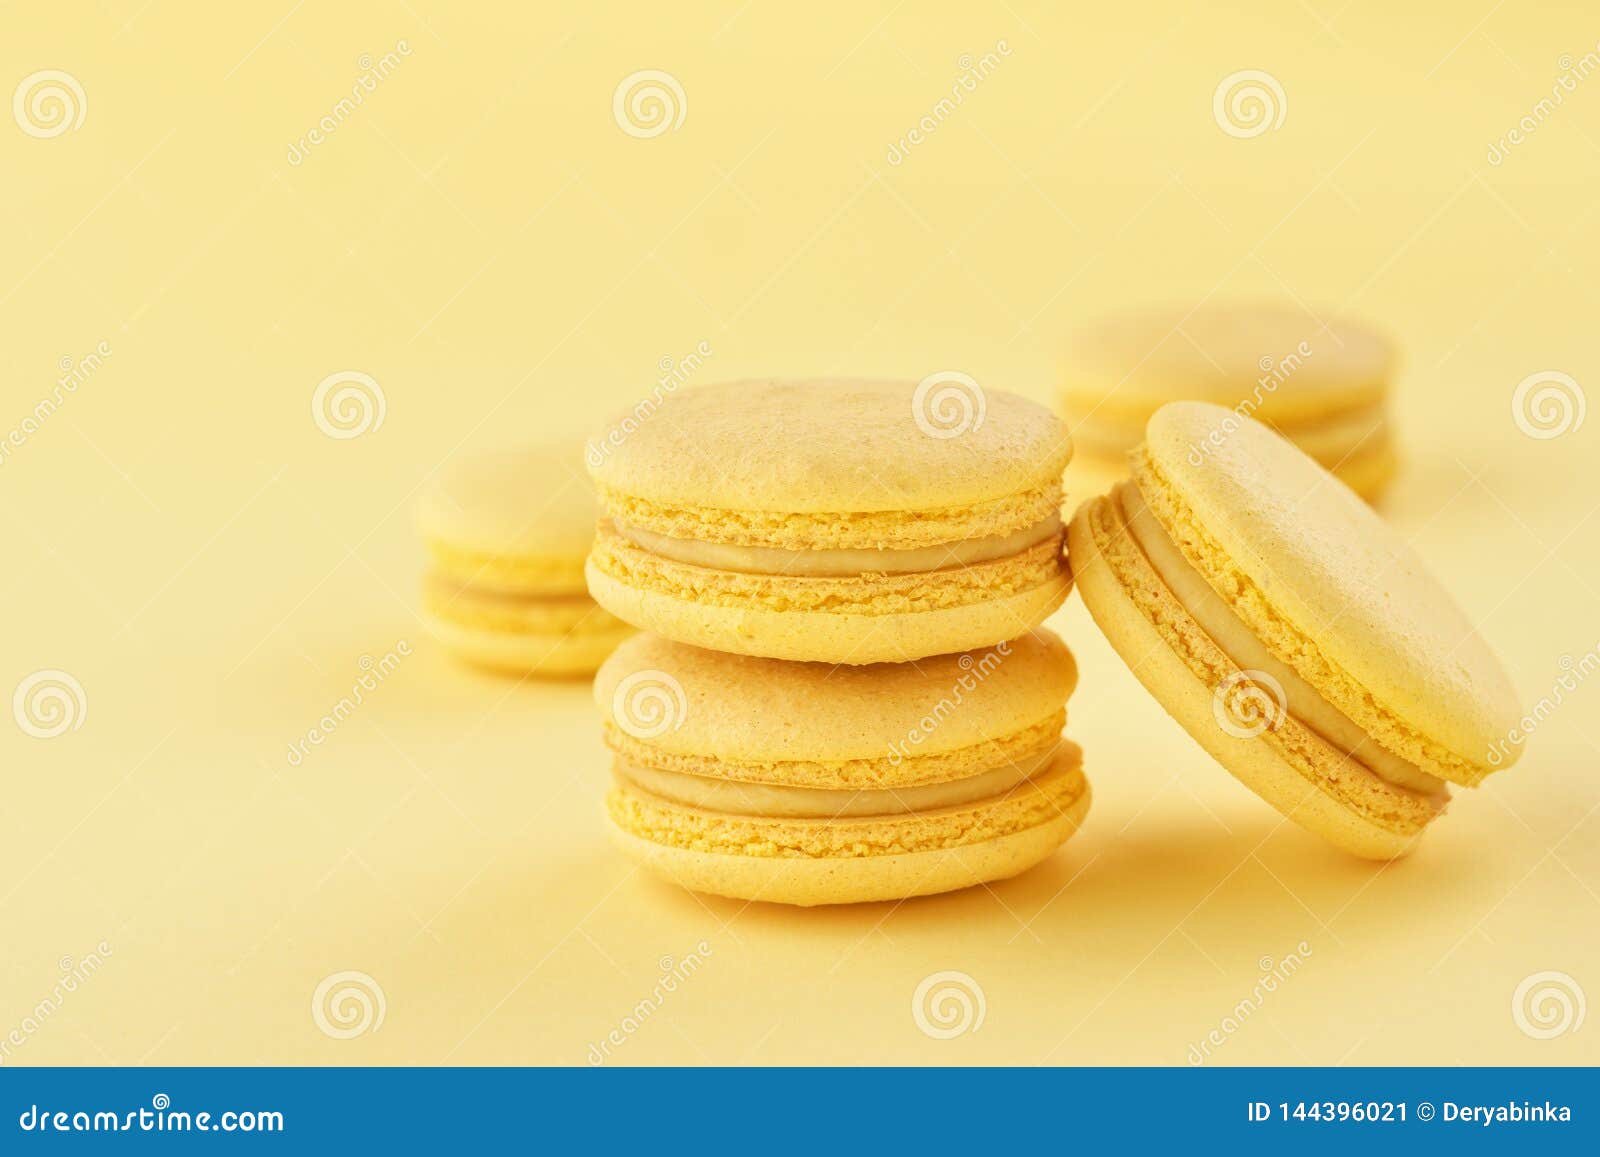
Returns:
<point x="507" y="534"/>
<point x="844" y="697"/>
<point x="1323" y="384"/>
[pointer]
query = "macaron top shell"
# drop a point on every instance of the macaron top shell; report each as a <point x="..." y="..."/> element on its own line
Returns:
<point x="533" y="501"/>
<point x="1294" y="547"/>
<point x="681" y="699"/>
<point x="816" y="446"/>
<point x="1134" y="362"/>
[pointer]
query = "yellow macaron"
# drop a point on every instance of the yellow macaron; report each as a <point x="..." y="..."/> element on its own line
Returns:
<point x="805" y="783"/>
<point x="1290" y="630"/>
<point x="838" y="521"/>
<point x="507" y="534"/>
<point x="1322" y="384"/>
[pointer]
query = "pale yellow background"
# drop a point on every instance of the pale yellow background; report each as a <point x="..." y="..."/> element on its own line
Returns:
<point x="485" y="241"/>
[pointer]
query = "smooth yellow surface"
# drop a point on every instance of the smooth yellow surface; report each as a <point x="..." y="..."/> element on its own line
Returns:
<point x="482" y="239"/>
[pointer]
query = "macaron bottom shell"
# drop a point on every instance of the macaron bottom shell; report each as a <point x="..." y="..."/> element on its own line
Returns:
<point x="844" y="861"/>
<point x="1305" y="778"/>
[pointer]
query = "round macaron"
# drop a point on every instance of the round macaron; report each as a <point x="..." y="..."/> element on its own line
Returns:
<point x="1323" y="385"/>
<point x="1290" y="630"/>
<point x="837" y="521"/>
<point x="506" y="535"/>
<point x="805" y="783"/>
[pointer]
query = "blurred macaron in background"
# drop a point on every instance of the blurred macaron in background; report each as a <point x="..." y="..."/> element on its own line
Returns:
<point x="507" y="532"/>
<point x="1323" y="383"/>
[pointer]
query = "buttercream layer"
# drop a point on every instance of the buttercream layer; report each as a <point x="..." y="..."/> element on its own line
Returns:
<point x="1287" y="642"/>
<point x="1300" y="699"/>
<point x="1036" y="801"/>
<point x="1108" y="540"/>
<point x="842" y="563"/>
<point x="737" y="797"/>
<point x="864" y="594"/>
<point x="901" y="767"/>
<point x="843" y="530"/>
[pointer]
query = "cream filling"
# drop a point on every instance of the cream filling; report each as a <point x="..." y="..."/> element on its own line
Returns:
<point x="840" y="563"/>
<point x="779" y="801"/>
<point x="1229" y="632"/>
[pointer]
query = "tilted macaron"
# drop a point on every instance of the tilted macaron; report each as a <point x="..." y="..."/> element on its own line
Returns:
<point x="839" y="521"/>
<point x="1322" y="385"/>
<point x="507" y="534"/>
<point x="1290" y="630"/>
<point x="805" y="783"/>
